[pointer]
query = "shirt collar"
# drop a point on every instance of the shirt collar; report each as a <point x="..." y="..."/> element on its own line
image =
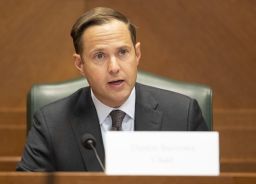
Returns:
<point x="103" y="110"/>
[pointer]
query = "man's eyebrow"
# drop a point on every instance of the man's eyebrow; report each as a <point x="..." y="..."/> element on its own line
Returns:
<point x="100" y="49"/>
<point x="97" y="50"/>
<point x="124" y="46"/>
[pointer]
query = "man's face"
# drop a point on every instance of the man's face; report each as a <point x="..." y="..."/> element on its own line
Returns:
<point x="109" y="61"/>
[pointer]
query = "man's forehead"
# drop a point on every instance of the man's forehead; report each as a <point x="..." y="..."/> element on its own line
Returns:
<point x="106" y="29"/>
<point x="112" y="33"/>
<point x="108" y="45"/>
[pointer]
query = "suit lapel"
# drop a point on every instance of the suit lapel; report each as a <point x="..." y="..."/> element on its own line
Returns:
<point x="147" y="115"/>
<point x="85" y="120"/>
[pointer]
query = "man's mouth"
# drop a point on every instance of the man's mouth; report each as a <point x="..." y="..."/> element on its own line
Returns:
<point x="116" y="82"/>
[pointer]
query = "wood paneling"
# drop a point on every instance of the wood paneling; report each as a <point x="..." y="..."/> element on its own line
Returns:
<point x="12" y="133"/>
<point x="8" y="163"/>
<point x="100" y="178"/>
<point x="35" y="45"/>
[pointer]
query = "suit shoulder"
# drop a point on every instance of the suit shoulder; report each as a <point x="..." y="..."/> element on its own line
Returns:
<point x="159" y="93"/>
<point x="65" y="105"/>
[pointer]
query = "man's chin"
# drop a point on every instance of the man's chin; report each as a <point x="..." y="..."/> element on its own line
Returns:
<point x="119" y="100"/>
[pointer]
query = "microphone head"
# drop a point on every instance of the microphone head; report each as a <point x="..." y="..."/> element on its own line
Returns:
<point x="88" y="140"/>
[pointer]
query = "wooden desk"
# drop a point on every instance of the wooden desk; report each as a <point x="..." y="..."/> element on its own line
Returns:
<point x="100" y="178"/>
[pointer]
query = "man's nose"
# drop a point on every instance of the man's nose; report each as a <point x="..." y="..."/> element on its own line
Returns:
<point x="113" y="66"/>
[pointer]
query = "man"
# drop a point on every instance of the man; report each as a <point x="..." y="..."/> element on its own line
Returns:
<point x="107" y="54"/>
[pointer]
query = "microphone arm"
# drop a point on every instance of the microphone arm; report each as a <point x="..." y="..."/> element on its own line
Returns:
<point x="97" y="156"/>
<point x="89" y="142"/>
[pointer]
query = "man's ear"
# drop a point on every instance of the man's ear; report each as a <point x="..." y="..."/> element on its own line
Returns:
<point x="79" y="64"/>
<point x="137" y="52"/>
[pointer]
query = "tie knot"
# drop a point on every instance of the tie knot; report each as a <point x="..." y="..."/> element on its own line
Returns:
<point x="117" y="117"/>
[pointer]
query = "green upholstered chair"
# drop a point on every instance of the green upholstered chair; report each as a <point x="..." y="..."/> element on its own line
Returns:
<point x="42" y="94"/>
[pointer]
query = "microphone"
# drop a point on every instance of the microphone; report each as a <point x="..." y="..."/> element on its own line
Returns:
<point x="89" y="142"/>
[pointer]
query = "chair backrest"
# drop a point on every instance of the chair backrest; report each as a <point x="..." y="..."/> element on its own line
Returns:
<point x="42" y="94"/>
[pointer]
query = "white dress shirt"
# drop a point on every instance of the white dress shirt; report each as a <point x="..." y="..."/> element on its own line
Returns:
<point x="105" y="120"/>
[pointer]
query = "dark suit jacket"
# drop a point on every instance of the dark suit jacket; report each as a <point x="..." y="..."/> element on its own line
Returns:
<point x="54" y="141"/>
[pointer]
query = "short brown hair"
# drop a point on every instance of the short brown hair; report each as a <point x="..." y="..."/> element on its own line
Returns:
<point x="98" y="16"/>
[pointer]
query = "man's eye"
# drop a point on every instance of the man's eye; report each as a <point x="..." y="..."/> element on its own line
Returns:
<point x="99" y="55"/>
<point x="123" y="51"/>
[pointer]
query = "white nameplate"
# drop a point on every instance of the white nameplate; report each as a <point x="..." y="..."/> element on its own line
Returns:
<point x="162" y="153"/>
